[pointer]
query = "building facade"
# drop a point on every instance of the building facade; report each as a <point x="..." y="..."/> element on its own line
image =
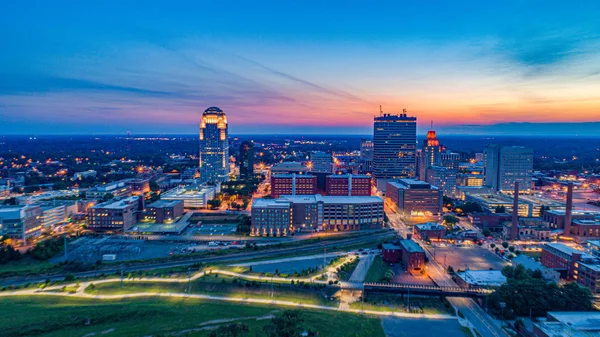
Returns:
<point x="246" y="160"/>
<point x="414" y="197"/>
<point x="366" y="156"/>
<point x="293" y="184"/>
<point x="348" y="184"/>
<point x="21" y="222"/>
<point x="506" y="165"/>
<point x="394" y="146"/>
<point x="444" y="178"/>
<point x="429" y="231"/>
<point x="214" y="146"/>
<point x="162" y="211"/>
<point x="320" y="161"/>
<point x="115" y="215"/>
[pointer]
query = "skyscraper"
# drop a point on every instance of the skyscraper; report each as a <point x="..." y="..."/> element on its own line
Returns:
<point x="394" y="146"/>
<point x="246" y="159"/>
<point x="366" y="155"/>
<point x="506" y="165"/>
<point x="429" y="154"/>
<point x="214" y="146"/>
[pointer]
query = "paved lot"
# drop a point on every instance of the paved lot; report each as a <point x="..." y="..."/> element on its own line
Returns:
<point x="468" y="256"/>
<point x="360" y="272"/>
<point x="410" y="327"/>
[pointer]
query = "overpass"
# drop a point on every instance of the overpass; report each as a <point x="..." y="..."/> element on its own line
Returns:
<point x="416" y="289"/>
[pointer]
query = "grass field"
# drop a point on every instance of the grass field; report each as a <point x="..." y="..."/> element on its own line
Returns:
<point x="396" y="303"/>
<point x="376" y="271"/>
<point x="223" y="286"/>
<point x="25" y="266"/>
<point x="59" y="316"/>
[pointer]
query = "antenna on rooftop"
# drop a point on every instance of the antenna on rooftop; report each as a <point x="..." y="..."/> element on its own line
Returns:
<point x="380" y="110"/>
<point x="432" y="125"/>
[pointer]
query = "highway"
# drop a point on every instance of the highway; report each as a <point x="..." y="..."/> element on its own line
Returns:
<point x="188" y="262"/>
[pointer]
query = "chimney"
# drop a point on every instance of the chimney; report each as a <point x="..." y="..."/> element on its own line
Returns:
<point x="568" y="210"/>
<point x="514" y="230"/>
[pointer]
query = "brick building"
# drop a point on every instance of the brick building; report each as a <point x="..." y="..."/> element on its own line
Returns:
<point x="414" y="197"/>
<point x="293" y="184"/>
<point x="162" y="211"/>
<point x="348" y="184"/>
<point x="413" y="256"/>
<point x="429" y="231"/>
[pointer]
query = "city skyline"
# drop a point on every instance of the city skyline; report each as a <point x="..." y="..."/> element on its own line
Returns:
<point x="513" y="69"/>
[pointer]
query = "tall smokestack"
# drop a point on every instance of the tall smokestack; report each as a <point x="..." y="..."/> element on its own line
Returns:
<point x="514" y="230"/>
<point x="569" y="211"/>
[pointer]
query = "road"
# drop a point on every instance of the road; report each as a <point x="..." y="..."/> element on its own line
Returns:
<point x="188" y="262"/>
<point x="472" y="312"/>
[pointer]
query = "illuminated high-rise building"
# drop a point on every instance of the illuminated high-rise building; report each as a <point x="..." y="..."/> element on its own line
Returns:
<point x="214" y="146"/>
<point x="429" y="154"/>
<point x="246" y="159"/>
<point x="394" y="146"/>
<point x="506" y="165"/>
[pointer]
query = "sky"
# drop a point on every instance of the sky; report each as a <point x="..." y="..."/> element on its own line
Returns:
<point x="299" y="67"/>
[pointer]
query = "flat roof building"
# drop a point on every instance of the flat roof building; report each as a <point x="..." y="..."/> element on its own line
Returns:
<point x="480" y="278"/>
<point x="572" y="324"/>
<point x="115" y="215"/>
<point x="193" y="196"/>
<point x="348" y="185"/>
<point x="414" y="197"/>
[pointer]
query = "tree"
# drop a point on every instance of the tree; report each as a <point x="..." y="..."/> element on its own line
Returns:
<point x="450" y="270"/>
<point x="244" y="226"/>
<point x="511" y="249"/>
<point x="108" y="196"/>
<point x="486" y="232"/>
<point x="288" y="324"/>
<point x="154" y="186"/>
<point x="500" y="209"/>
<point x="470" y="207"/>
<point x="214" y="203"/>
<point x="492" y="245"/>
<point x="231" y="330"/>
<point x="505" y="244"/>
<point x="451" y="220"/>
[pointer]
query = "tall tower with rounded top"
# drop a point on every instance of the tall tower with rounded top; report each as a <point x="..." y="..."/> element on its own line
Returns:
<point x="214" y="146"/>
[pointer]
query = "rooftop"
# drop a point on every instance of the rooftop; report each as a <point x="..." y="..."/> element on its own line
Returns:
<point x="164" y="203"/>
<point x="271" y="203"/>
<point x="411" y="184"/>
<point x="347" y="175"/>
<point x="567" y="249"/>
<point x="332" y="199"/>
<point x="411" y="246"/>
<point x="485" y="278"/>
<point x="118" y="203"/>
<point x="574" y="324"/>
<point x="291" y="175"/>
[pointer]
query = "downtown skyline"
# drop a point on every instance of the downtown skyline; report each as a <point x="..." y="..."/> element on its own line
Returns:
<point x="472" y="68"/>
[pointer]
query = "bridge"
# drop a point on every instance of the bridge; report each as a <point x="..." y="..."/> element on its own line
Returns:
<point x="416" y="289"/>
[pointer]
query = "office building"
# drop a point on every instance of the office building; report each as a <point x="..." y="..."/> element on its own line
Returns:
<point x="287" y="214"/>
<point x="573" y="264"/>
<point x="366" y="156"/>
<point x="293" y="184"/>
<point x="394" y="146"/>
<point x="320" y="161"/>
<point x="114" y="189"/>
<point x="20" y="222"/>
<point x="193" y="196"/>
<point x="470" y="175"/>
<point x="289" y="167"/>
<point x="214" y="146"/>
<point x="163" y="211"/>
<point x="414" y="197"/>
<point x="429" y="154"/>
<point x="246" y="160"/>
<point x="115" y="215"/>
<point x="53" y="215"/>
<point x="137" y="186"/>
<point x="444" y="178"/>
<point x="506" y="165"/>
<point x="449" y="159"/>
<point x="348" y="184"/>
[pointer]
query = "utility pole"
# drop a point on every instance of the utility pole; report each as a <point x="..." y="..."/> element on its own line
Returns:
<point x="324" y="258"/>
<point x="66" y="253"/>
<point x="189" y="280"/>
<point x="121" y="275"/>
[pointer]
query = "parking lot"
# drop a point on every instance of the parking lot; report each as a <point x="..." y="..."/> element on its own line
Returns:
<point x="464" y="256"/>
<point x="215" y="230"/>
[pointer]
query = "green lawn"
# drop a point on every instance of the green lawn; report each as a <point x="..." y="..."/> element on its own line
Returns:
<point x="59" y="316"/>
<point x="534" y="254"/>
<point x="223" y="286"/>
<point x="25" y="266"/>
<point x="376" y="271"/>
<point x="396" y="303"/>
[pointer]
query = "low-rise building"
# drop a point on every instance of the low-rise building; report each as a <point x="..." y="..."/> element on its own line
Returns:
<point x="193" y="196"/>
<point x="20" y="222"/>
<point x="494" y="222"/>
<point x="480" y="278"/>
<point x="572" y="324"/>
<point x="163" y="211"/>
<point x="573" y="264"/>
<point x="116" y="189"/>
<point x="530" y="263"/>
<point x="317" y="212"/>
<point x="391" y="253"/>
<point x="271" y="217"/>
<point x="413" y="256"/>
<point x="429" y="231"/>
<point x="115" y="215"/>
<point x="414" y="197"/>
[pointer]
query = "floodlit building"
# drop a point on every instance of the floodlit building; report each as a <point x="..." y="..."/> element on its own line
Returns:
<point x="429" y="154"/>
<point x="444" y="178"/>
<point x="506" y="165"/>
<point x="414" y="197"/>
<point x="271" y="217"/>
<point x="214" y="146"/>
<point x="394" y="146"/>
<point x="429" y="231"/>
<point x="20" y="222"/>
<point x="413" y="256"/>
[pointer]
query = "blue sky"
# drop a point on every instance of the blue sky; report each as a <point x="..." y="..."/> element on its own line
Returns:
<point x="298" y="67"/>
